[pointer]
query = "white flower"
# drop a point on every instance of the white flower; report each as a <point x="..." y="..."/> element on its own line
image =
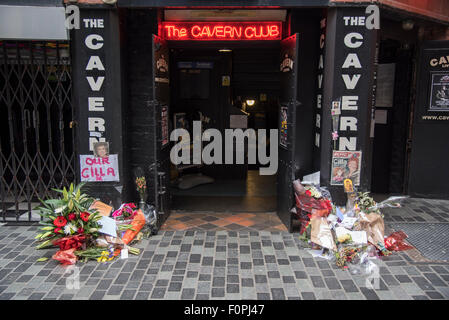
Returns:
<point x="59" y="210"/>
<point x="69" y="228"/>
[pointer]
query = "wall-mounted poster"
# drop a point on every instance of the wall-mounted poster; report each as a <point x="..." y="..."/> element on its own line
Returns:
<point x="439" y="92"/>
<point x="385" y="85"/>
<point x="346" y="165"/>
<point x="283" y="127"/>
<point x="99" y="169"/>
<point x="164" y="125"/>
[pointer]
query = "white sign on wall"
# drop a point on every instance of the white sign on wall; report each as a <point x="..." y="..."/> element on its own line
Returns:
<point x="99" y="169"/>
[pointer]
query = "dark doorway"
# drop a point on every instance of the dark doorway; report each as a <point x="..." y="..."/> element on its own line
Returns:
<point x="217" y="86"/>
<point x="395" y="73"/>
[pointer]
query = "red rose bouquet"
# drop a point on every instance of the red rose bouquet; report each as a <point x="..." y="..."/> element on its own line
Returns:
<point x="67" y="222"/>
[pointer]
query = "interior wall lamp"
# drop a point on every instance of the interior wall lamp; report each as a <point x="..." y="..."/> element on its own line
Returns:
<point x="250" y="102"/>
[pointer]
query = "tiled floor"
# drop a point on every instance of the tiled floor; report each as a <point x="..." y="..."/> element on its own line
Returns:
<point x="232" y="256"/>
<point x="211" y="265"/>
<point x="223" y="221"/>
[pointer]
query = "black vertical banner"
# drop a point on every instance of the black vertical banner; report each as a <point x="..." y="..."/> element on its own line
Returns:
<point x="319" y="97"/>
<point x="98" y="100"/>
<point x="350" y="67"/>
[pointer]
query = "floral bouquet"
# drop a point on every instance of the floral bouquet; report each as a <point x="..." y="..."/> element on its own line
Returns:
<point x="313" y="202"/>
<point x="124" y="216"/>
<point x="68" y="223"/>
<point x="141" y="186"/>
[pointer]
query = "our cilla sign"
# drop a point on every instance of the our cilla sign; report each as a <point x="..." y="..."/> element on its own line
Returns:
<point x="219" y="31"/>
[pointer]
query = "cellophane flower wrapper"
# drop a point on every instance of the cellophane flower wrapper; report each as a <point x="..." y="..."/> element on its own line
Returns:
<point x="66" y="257"/>
<point x="391" y="202"/>
<point x="395" y="242"/>
<point x="317" y="207"/>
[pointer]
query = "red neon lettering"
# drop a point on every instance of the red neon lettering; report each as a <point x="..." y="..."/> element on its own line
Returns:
<point x="169" y="29"/>
<point x="253" y="29"/>
<point x="222" y="30"/>
<point x="219" y="31"/>
<point x="228" y="30"/>
<point x="196" y="34"/>
<point x="174" y="32"/>
<point x="205" y="32"/>
<point x="274" y="31"/>
<point x="237" y="31"/>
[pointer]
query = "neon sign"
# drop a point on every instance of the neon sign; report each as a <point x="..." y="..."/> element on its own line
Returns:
<point x="219" y="31"/>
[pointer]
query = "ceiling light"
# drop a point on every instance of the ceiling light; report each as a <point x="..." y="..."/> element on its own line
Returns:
<point x="225" y="50"/>
<point x="408" y="25"/>
<point x="250" y="102"/>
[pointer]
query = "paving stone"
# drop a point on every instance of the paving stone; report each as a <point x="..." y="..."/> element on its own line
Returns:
<point x="217" y="292"/>
<point x="218" y="282"/>
<point x="435" y="280"/>
<point x="128" y="294"/>
<point x="423" y="283"/>
<point x="369" y="294"/>
<point x="349" y="286"/>
<point x="317" y="281"/>
<point x="115" y="290"/>
<point x="403" y="278"/>
<point x="332" y="283"/>
<point x="420" y="297"/>
<point x="263" y="296"/>
<point x="158" y="293"/>
<point x="434" y="295"/>
<point x="232" y="288"/>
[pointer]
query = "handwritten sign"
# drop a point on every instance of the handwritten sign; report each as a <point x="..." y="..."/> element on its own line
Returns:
<point x="99" y="169"/>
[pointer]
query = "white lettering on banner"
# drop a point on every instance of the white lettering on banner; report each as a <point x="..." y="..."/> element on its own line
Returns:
<point x="350" y="83"/>
<point x="90" y="41"/>
<point x="95" y="85"/>
<point x="352" y="61"/>
<point x="348" y="122"/>
<point x="96" y="103"/>
<point x="320" y="82"/>
<point x="349" y="102"/>
<point x="353" y="44"/>
<point x="96" y="123"/>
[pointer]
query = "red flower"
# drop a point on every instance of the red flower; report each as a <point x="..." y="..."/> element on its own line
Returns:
<point x="72" y="216"/>
<point x="84" y="216"/>
<point x="80" y="230"/>
<point x="60" y="221"/>
<point x="132" y="205"/>
<point x="57" y="230"/>
<point x="308" y="193"/>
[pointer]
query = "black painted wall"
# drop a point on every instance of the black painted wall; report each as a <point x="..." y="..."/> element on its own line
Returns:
<point x="137" y="28"/>
<point x="335" y="87"/>
<point x="307" y="24"/>
<point x="429" y="171"/>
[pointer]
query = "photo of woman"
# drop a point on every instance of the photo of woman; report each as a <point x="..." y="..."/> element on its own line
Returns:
<point x="352" y="170"/>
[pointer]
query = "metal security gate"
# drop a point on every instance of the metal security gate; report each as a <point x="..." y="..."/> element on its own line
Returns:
<point x="36" y="144"/>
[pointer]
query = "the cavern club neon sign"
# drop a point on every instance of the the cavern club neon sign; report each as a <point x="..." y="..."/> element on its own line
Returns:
<point x="218" y="31"/>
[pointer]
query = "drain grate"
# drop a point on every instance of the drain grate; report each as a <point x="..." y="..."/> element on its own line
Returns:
<point x="430" y="239"/>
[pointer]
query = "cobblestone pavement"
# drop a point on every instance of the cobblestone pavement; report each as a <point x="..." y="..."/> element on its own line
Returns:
<point x="214" y="265"/>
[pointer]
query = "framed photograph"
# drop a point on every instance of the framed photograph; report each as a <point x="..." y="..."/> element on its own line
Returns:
<point x="439" y="92"/>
